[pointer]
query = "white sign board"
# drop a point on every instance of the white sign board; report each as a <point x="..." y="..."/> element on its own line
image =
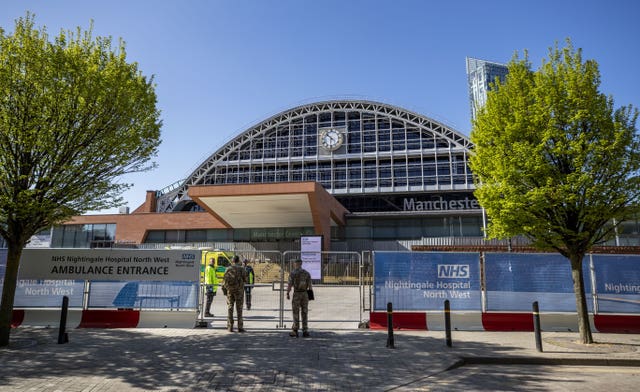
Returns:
<point x="110" y="264"/>
<point x="311" y="255"/>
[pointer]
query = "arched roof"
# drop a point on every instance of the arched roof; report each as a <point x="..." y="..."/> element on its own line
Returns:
<point x="447" y="137"/>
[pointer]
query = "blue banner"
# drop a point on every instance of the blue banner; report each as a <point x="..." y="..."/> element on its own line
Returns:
<point x="424" y="280"/>
<point x="515" y="280"/>
<point x="48" y="293"/>
<point x="144" y="295"/>
<point x="617" y="283"/>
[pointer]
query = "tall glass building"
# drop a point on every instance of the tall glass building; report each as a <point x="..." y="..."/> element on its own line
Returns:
<point x="480" y="74"/>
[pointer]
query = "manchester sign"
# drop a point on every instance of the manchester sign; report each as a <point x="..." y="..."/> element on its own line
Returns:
<point x="440" y="204"/>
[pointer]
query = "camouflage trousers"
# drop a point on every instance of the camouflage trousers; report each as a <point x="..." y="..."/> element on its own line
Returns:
<point x="235" y="298"/>
<point x="300" y="305"/>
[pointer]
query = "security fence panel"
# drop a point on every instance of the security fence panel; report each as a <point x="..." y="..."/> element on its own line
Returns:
<point x="366" y="280"/>
<point x="514" y="281"/>
<point x="144" y="295"/>
<point x="337" y="292"/>
<point x="266" y="291"/>
<point x="617" y="280"/>
<point x="424" y="280"/>
<point x="265" y="264"/>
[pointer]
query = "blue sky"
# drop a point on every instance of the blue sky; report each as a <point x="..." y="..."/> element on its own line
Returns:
<point x="222" y="66"/>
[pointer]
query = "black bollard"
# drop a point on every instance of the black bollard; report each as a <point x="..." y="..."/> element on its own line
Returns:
<point x="63" y="337"/>
<point x="390" y="342"/>
<point x="536" y="326"/>
<point x="447" y="321"/>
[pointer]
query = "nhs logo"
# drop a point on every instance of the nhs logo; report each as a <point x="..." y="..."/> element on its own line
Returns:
<point x="453" y="271"/>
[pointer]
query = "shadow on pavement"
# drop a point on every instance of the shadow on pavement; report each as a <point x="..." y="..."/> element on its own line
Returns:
<point x="173" y="359"/>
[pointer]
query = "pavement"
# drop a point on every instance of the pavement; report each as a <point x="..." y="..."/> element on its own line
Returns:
<point x="267" y="359"/>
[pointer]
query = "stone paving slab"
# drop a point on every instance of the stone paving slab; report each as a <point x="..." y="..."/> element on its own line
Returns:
<point x="100" y="360"/>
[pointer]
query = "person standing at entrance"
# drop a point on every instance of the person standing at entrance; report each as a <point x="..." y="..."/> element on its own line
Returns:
<point x="300" y="281"/>
<point x="251" y="278"/>
<point x="234" y="280"/>
<point x="211" y="285"/>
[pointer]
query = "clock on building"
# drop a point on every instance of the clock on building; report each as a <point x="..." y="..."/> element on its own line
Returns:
<point x="331" y="139"/>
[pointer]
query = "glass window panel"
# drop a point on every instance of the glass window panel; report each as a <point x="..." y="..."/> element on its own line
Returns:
<point x="400" y="181"/>
<point x="69" y="236"/>
<point x="111" y="232"/>
<point x="471" y="226"/>
<point x="57" y="235"/>
<point x="196" y="236"/>
<point x="242" y="235"/>
<point x="410" y="229"/>
<point x="383" y="232"/>
<point x="384" y="123"/>
<point x="155" y="236"/>
<point x="219" y="235"/>
<point x="435" y="227"/>
<point x="358" y="232"/>
<point x="172" y="236"/>
<point x="355" y="174"/>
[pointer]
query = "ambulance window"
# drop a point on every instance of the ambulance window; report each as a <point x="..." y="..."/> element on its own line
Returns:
<point x="222" y="261"/>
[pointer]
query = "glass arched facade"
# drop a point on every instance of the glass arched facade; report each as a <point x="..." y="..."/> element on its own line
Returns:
<point x="381" y="149"/>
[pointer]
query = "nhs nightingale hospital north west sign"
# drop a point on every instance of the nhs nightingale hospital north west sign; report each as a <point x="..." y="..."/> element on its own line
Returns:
<point x="110" y="264"/>
<point x="424" y="280"/>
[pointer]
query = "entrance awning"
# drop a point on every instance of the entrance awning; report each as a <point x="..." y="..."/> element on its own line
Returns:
<point x="290" y="204"/>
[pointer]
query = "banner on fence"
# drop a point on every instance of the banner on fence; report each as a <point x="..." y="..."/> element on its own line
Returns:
<point x="515" y="280"/>
<point x="110" y="264"/>
<point x="424" y="280"/>
<point x="617" y="283"/>
<point x="48" y="293"/>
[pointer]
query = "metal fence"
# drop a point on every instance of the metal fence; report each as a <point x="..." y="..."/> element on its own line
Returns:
<point x="340" y="297"/>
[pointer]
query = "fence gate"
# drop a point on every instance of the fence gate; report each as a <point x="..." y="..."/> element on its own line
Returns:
<point x="341" y="281"/>
<point x="266" y="293"/>
<point x="337" y="287"/>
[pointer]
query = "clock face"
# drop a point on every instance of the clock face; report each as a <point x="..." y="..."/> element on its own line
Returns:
<point x="331" y="139"/>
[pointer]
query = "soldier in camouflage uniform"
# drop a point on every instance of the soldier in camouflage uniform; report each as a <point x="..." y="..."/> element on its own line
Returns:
<point x="234" y="280"/>
<point x="300" y="281"/>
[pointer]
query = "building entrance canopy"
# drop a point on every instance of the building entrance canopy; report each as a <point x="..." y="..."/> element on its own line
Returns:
<point x="299" y="204"/>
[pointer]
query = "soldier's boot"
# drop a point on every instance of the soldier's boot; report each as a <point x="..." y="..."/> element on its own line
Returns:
<point x="293" y="333"/>
<point x="305" y="334"/>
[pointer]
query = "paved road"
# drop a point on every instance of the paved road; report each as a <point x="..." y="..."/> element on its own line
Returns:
<point x="535" y="378"/>
<point x="100" y="360"/>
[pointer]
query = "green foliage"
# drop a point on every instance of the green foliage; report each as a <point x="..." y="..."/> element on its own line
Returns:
<point x="553" y="160"/>
<point x="74" y="116"/>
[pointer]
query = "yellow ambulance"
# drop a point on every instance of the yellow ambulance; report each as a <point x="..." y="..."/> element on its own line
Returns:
<point x="222" y="260"/>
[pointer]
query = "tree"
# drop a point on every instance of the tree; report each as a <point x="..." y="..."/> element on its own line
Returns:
<point x="555" y="162"/>
<point x="74" y="117"/>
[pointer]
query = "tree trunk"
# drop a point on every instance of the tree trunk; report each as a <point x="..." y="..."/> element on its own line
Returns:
<point x="581" y="302"/>
<point x="9" y="291"/>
